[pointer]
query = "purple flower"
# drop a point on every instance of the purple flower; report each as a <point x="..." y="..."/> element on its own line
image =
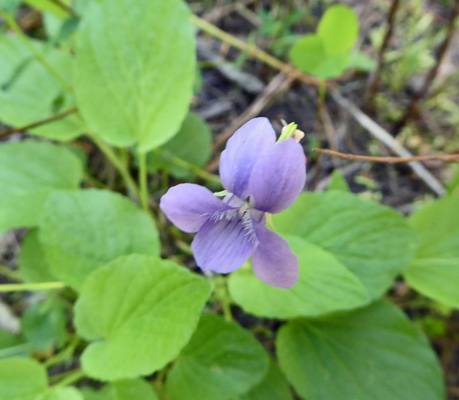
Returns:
<point x="262" y="176"/>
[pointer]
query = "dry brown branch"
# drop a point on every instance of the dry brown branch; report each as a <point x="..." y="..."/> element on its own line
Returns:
<point x="218" y="13"/>
<point x="388" y="140"/>
<point x="246" y="81"/>
<point x="389" y="160"/>
<point x="375" y="77"/>
<point x="56" y="117"/>
<point x="254" y="51"/>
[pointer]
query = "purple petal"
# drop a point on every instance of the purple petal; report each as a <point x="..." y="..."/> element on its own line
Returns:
<point x="223" y="245"/>
<point x="188" y="206"/>
<point x="278" y="177"/>
<point x="242" y="151"/>
<point x="272" y="261"/>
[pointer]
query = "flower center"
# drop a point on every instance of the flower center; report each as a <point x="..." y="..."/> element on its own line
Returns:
<point x="243" y="217"/>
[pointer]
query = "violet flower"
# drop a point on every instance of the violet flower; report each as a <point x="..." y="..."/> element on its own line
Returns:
<point x="262" y="176"/>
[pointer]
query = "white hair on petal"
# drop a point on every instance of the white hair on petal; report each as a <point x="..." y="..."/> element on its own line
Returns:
<point x="243" y="215"/>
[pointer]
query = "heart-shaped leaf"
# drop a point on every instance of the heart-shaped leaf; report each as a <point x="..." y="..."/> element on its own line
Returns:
<point x="81" y="231"/>
<point x="374" y="242"/>
<point x="29" y="173"/>
<point x="371" y="353"/>
<point x="134" y="83"/>
<point x="435" y="268"/>
<point x="324" y="285"/>
<point x="221" y="361"/>
<point x="138" y="312"/>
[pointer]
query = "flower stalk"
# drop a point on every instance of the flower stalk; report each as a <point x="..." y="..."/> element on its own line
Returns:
<point x="31" y="287"/>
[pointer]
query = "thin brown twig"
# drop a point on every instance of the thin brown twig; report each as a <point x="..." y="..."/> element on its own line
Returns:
<point x="56" y="117"/>
<point x="375" y="78"/>
<point x="254" y="51"/>
<point x="389" y="160"/>
<point x="431" y="75"/>
<point x="379" y="133"/>
<point x="220" y="12"/>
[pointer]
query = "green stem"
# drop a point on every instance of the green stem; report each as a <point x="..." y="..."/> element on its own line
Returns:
<point x="238" y="43"/>
<point x="72" y="377"/>
<point x="13" y="275"/>
<point x="196" y="170"/>
<point x="165" y="180"/>
<point x="184" y="247"/>
<point x="15" y="27"/>
<point x="119" y="165"/>
<point x="30" y="287"/>
<point x="321" y="108"/>
<point x="15" y="351"/>
<point x="227" y="310"/>
<point x="222" y="295"/>
<point x="65" y="8"/>
<point x="63" y="355"/>
<point x="454" y="184"/>
<point x="143" y="181"/>
<point x="94" y="182"/>
<point x="322" y="91"/>
<point x="192" y="168"/>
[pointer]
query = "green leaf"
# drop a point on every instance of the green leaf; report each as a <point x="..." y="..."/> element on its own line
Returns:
<point x="191" y="144"/>
<point x="221" y="361"/>
<point x="44" y="324"/>
<point x="338" y="29"/>
<point x="360" y="61"/>
<point x="58" y="30"/>
<point x="134" y="83"/>
<point x="324" y="285"/>
<point x="22" y="379"/>
<point x="29" y="173"/>
<point x="81" y="231"/>
<point x="132" y="389"/>
<point x="26" y="379"/>
<point x="326" y="54"/>
<point x="8" y="339"/>
<point x="272" y="387"/>
<point x="332" y="66"/>
<point x="33" y="265"/>
<point x="372" y="241"/>
<point x="372" y="353"/>
<point x="32" y="93"/>
<point x="63" y="393"/>
<point x="12" y="345"/>
<point x="308" y="53"/>
<point x="435" y="268"/>
<point x="15" y="56"/>
<point x="453" y="186"/>
<point x="138" y="312"/>
<point x="337" y="182"/>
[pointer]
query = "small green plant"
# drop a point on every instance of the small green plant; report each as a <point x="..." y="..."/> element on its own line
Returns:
<point x="277" y="25"/>
<point x="327" y="53"/>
